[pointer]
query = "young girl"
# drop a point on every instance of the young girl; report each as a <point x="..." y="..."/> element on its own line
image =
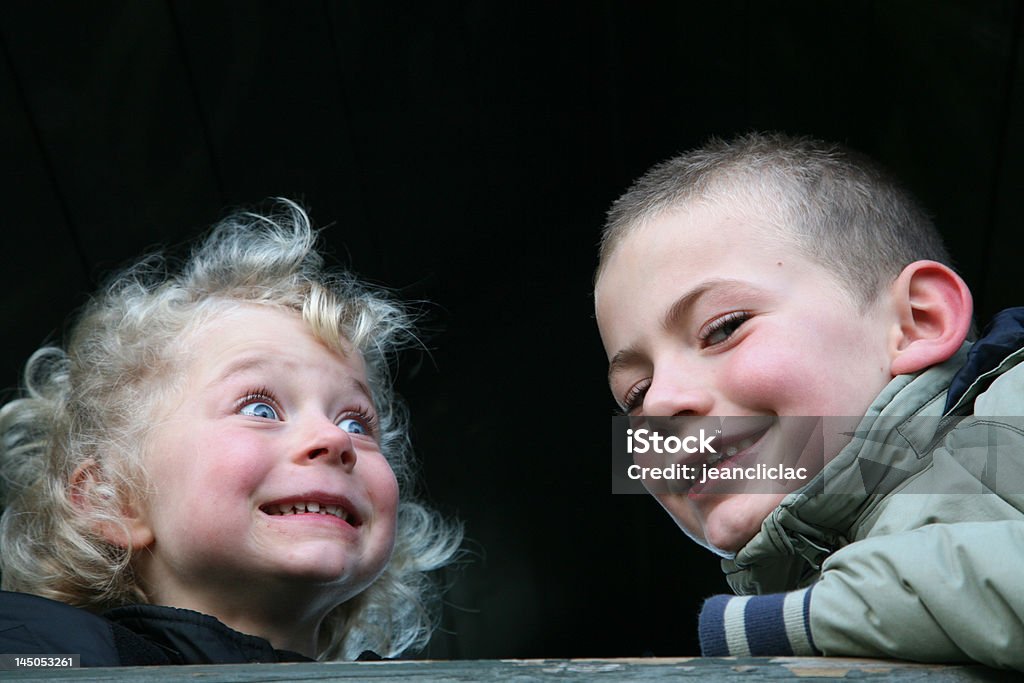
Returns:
<point x="216" y="469"/>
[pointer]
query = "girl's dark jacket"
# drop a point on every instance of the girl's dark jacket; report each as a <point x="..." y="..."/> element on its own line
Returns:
<point x="136" y="635"/>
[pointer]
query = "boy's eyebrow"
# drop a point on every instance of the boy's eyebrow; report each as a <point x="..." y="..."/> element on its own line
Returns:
<point x="682" y="306"/>
<point x="622" y="359"/>
<point x="679" y="310"/>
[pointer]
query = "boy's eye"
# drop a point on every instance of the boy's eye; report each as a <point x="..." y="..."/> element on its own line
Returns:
<point x="635" y="396"/>
<point x="720" y="329"/>
<point x="353" y="426"/>
<point x="259" y="409"/>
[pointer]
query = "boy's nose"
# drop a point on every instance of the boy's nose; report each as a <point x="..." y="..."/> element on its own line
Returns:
<point x="666" y="398"/>
<point x="329" y="442"/>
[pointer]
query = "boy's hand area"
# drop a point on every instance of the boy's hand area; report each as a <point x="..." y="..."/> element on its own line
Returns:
<point x="888" y="596"/>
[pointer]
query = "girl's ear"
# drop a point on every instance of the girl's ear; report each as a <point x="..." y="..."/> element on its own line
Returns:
<point x="934" y="307"/>
<point x="86" y="487"/>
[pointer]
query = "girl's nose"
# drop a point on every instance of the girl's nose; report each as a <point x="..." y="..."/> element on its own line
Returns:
<point x="329" y="442"/>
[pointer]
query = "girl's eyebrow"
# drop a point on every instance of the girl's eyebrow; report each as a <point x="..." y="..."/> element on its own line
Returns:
<point x="246" y="364"/>
<point x="258" y="363"/>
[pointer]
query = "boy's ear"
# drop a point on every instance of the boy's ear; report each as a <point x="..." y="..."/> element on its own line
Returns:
<point x="934" y="307"/>
<point x="86" y="486"/>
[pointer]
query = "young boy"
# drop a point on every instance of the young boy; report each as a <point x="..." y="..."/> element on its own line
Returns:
<point x="772" y="276"/>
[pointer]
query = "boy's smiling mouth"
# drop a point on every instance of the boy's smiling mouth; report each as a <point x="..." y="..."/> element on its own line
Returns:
<point x="740" y="451"/>
<point x="730" y="446"/>
<point x="733" y="448"/>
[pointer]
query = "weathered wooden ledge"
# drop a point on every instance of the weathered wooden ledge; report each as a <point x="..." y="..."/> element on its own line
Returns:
<point x="748" y="669"/>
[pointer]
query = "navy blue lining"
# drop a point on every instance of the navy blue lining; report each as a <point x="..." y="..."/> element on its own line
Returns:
<point x="764" y="622"/>
<point x="711" y="627"/>
<point x="1003" y="335"/>
<point x="807" y="620"/>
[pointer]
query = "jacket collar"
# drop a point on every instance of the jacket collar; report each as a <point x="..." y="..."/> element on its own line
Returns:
<point x="192" y="638"/>
<point x="998" y="348"/>
<point x="901" y="423"/>
<point x="812" y="521"/>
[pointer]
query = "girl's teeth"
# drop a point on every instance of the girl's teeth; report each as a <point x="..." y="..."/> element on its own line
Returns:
<point x="315" y="508"/>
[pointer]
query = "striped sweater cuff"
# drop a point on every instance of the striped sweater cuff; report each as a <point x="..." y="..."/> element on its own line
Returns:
<point x="757" y="626"/>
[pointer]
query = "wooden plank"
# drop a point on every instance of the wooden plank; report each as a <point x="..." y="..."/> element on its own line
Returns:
<point x="524" y="671"/>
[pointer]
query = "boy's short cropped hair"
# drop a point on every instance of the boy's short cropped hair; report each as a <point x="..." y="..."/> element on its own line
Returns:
<point x="838" y="207"/>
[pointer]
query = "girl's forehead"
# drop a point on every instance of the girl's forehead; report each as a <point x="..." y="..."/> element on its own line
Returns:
<point x="268" y="333"/>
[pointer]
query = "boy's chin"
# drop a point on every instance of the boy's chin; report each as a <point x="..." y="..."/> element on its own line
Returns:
<point x="728" y="537"/>
<point x="724" y="522"/>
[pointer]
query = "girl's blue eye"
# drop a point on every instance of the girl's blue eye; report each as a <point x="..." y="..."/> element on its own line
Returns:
<point x="259" y="409"/>
<point x="353" y="426"/>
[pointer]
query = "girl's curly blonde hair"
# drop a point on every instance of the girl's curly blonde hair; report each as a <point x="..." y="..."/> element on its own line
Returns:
<point x="87" y="405"/>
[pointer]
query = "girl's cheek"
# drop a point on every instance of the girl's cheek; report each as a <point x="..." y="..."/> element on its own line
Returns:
<point x="240" y="458"/>
<point x="388" y="491"/>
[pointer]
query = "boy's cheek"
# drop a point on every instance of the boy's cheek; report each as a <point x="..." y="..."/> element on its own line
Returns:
<point x="758" y="380"/>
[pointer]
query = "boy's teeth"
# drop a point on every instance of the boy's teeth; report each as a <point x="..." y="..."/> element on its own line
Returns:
<point x="746" y="443"/>
<point x="730" y="451"/>
<point x="310" y="507"/>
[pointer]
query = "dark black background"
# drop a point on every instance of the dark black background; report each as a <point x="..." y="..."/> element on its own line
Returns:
<point x="464" y="153"/>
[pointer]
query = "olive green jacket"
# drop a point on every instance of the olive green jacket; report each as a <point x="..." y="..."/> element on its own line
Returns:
<point x="910" y="543"/>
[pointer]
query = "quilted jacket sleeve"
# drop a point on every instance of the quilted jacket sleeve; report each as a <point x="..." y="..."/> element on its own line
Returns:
<point x="940" y="593"/>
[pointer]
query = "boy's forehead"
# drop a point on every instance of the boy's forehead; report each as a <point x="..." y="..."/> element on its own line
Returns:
<point x="713" y="217"/>
<point x="680" y="254"/>
<point x="668" y="240"/>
